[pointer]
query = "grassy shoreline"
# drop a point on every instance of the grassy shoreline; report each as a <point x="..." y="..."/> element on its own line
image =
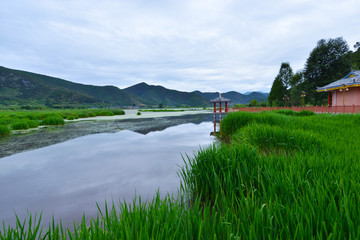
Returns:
<point x="280" y="175"/>
<point x="26" y="119"/>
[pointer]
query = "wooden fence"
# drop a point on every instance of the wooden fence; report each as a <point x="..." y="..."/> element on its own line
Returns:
<point x="317" y="109"/>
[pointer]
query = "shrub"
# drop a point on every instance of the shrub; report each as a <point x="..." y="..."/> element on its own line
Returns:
<point x="305" y="113"/>
<point x="138" y="113"/>
<point x="52" y="121"/>
<point x="118" y="112"/>
<point x="104" y="113"/>
<point x="4" y="130"/>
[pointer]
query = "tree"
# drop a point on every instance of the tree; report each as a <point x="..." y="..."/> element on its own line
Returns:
<point x="328" y="61"/>
<point x="285" y="74"/>
<point x="357" y="45"/>
<point x="355" y="59"/>
<point x="277" y="92"/>
<point x="280" y="85"/>
<point x="253" y="103"/>
<point x="295" y="90"/>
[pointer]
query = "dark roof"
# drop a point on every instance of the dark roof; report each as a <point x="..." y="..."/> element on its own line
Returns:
<point x="221" y="99"/>
<point x="350" y="80"/>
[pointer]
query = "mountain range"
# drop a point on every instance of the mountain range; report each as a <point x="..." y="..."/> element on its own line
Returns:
<point x="25" y="88"/>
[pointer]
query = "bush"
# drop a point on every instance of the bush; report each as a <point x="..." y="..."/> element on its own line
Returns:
<point x="138" y="113"/>
<point x="118" y="112"/>
<point x="52" y="121"/>
<point x="4" y="130"/>
<point x="305" y="113"/>
<point x="104" y="113"/>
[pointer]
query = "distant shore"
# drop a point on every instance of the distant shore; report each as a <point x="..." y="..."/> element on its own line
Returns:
<point x="132" y="114"/>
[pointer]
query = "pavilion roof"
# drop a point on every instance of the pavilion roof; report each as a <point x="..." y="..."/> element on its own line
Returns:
<point x="352" y="79"/>
<point x="221" y="99"/>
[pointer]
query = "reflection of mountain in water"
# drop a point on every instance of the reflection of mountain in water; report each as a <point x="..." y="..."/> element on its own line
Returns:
<point x="49" y="136"/>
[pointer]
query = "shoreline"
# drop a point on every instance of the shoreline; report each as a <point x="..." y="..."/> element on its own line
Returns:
<point x="131" y="114"/>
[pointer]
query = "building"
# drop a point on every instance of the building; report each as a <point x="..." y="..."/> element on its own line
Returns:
<point x="220" y="113"/>
<point x="344" y="92"/>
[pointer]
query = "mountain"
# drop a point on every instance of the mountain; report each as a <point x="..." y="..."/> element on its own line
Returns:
<point x="26" y="88"/>
<point x="236" y="97"/>
<point x="168" y="97"/>
<point x="247" y="93"/>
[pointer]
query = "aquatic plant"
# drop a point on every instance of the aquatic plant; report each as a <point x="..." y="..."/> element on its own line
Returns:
<point x="32" y="117"/>
<point x="20" y="124"/>
<point x="4" y="130"/>
<point x="52" y="121"/>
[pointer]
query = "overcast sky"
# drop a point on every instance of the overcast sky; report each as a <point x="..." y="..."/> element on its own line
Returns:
<point x="207" y="45"/>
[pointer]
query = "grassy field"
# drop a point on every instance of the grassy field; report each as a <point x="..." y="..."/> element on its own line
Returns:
<point x="25" y="119"/>
<point x="277" y="175"/>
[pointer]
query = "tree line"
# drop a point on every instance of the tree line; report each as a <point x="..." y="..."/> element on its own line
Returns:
<point x="329" y="61"/>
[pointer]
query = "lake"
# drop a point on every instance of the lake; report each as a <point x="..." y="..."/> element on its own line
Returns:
<point x="68" y="178"/>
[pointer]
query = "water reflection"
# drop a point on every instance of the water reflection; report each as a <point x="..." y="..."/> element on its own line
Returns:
<point x="54" y="135"/>
<point x="68" y="178"/>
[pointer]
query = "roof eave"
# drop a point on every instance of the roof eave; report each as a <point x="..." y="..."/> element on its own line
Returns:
<point x="337" y="87"/>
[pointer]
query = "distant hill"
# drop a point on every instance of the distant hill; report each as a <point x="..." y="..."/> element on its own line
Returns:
<point x="236" y="97"/>
<point x="26" y="88"/>
<point x="168" y="97"/>
<point x="247" y="93"/>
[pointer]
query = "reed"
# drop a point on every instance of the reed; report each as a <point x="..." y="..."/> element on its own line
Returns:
<point x="25" y="119"/>
<point x="4" y="130"/>
<point x="52" y="121"/>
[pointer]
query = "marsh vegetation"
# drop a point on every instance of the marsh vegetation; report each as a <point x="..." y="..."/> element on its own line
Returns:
<point x="277" y="175"/>
<point x="19" y="120"/>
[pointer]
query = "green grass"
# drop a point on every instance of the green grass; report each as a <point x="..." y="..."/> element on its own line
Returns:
<point x="282" y="176"/>
<point x="278" y="176"/>
<point x="52" y="121"/>
<point x="4" y="130"/>
<point x="17" y="120"/>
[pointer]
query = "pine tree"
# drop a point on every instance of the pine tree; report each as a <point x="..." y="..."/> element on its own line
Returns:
<point x="280" y="85"/>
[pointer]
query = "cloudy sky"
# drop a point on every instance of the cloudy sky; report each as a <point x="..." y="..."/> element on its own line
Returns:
<point x="207" y="45"/>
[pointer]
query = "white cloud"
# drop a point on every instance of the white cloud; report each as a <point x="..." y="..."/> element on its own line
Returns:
<point x="209" y="45"/>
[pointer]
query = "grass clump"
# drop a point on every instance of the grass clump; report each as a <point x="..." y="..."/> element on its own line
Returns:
<point x="18" y="125"/>
<point x="118" y="112"/>
<point x="4" y="130"/>
<point x="52" y="121"/>
<point x="290" y="112"/>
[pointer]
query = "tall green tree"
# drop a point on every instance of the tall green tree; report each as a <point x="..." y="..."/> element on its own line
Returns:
<point x="328" y="61"/>
<point x="295" y="91"/>
<point x="280" y="85"/>
<point x="357" y="46"/>
<point x="355" y="59"/>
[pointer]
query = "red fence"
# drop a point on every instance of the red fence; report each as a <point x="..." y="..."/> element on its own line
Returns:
<point x="317" y="109"/>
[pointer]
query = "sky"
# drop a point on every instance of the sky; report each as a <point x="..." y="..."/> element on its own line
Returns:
<point x="206" y="45"/>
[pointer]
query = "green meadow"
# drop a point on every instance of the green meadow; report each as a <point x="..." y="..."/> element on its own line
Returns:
<point x="25" y="119"/>
<point x="274" y="175"/>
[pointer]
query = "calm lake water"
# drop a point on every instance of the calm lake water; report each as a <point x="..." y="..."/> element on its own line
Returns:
<point x="69" y="178"/>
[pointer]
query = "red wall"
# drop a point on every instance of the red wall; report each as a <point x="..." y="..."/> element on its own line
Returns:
<point x="351" y="97"/>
